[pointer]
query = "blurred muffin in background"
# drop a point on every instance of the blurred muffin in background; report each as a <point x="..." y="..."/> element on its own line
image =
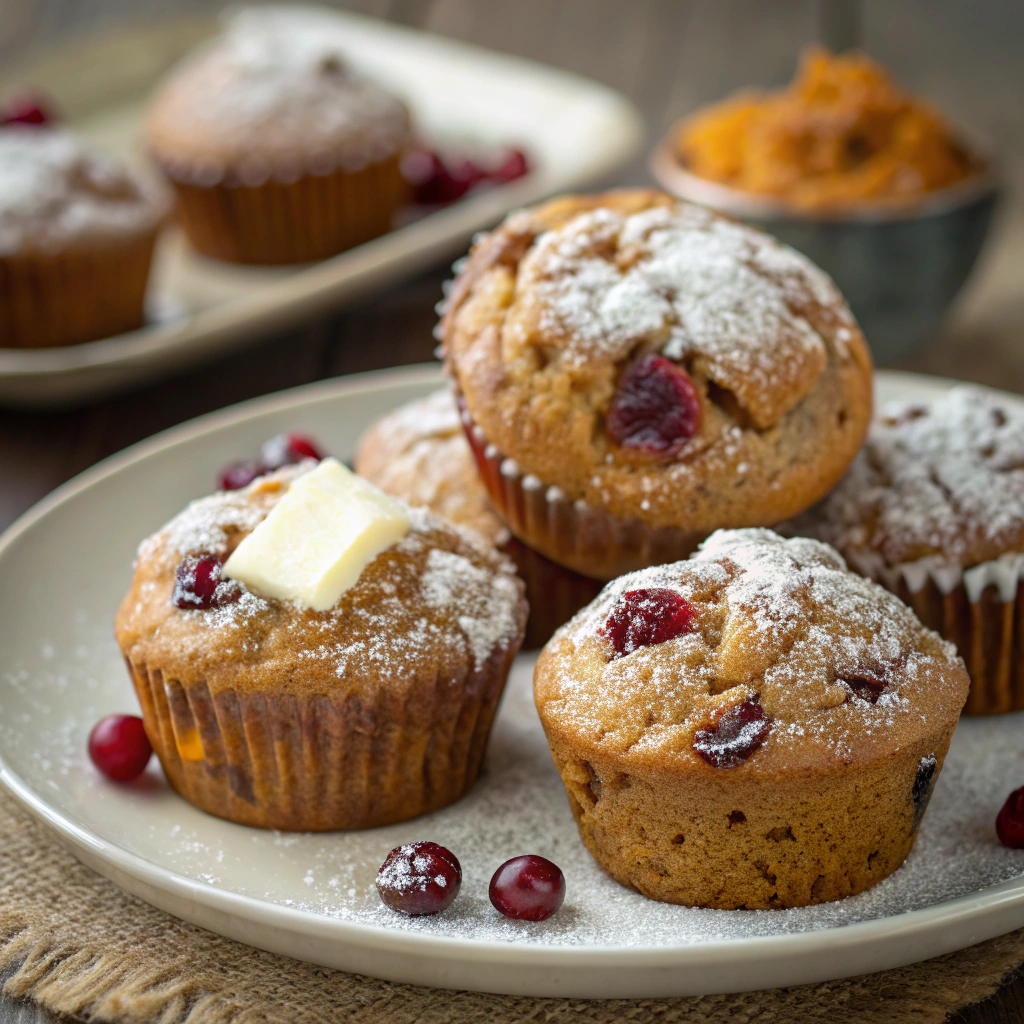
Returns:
<point x="77" y="230"/>
<point x="277" y="150"/>
<point x="419" y="453"/>
<point x="841" y="134"/>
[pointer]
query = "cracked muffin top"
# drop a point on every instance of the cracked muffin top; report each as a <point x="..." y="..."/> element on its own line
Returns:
<point x="658" y="360"/>
<point x="944" y="482"/>
<point x="758" y="654"/>
<point x="439" y="597"/>
<point x="419" y="452"/>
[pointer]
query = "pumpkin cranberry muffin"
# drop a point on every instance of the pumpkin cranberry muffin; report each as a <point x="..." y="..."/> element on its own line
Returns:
<point x="277" y="150"/>
<point x="318" y="713"/>
<point x="419" y="453"/>
<point x="77" y="230"/>
<point x="637" y="372"/>
<point x="933" y="509"/>
<point x="755" y="727"/>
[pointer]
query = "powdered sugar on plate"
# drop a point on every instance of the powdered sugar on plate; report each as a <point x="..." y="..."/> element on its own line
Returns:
<point x="696" y="285"/>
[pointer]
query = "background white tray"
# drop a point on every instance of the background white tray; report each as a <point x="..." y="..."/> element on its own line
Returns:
<point x="64" y="567"/>
<point x="576" y="132"/>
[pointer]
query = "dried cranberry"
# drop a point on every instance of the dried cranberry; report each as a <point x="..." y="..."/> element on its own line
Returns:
<point x="739" y="731"/>
<point x="119" y="747"/>
<point x="528" y="888"/>
<point x="29" y="108"/>
<point x="1010" y="821"/>
<point x="656" y="408"/>
<point x="419" y="878"/>
<point x="866" y="687"/>
<point x="645" y="617"/>
<point x="239" y="474"/>
<point x="437" y="181"/>
<point x="513" y="165"/>
<point x="198" y="583"/>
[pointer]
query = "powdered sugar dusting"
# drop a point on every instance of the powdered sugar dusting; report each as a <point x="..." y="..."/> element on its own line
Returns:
<point x="693" y="284"/>
<point x="945" y="482"/>
<point x="55" y="190"/>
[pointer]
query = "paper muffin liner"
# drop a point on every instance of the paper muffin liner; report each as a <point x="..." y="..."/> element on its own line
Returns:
<point x="67" y="298"/>
<point x="555" y="594"/>
<point x="314" y="764"/>
<point x="980" y="610"/>
<point x="574" y="534"/>
<point x="312" y="217"/>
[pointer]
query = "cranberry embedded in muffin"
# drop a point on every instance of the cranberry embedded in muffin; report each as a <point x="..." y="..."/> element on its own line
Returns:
<point x="755" y="727"/>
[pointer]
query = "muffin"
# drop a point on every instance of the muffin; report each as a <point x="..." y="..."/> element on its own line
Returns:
<point x="277" y="150"/>
<point x="755" y="727"/>
<point x="933" y="509"/>
<point x="266" y="711"/>
<point x="419" y="453"/>
<point x="637" y="372"/>
<point x="77" y="230"/>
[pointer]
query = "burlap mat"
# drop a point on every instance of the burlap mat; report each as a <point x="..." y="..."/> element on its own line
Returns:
<point x="75" y="943"/>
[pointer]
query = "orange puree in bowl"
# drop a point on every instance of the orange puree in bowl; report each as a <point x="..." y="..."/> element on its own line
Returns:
<point x="841" y="134"/>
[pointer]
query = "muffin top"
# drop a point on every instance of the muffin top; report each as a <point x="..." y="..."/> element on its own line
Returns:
<point x="439" y="600"/>
<point x="758" y="654"/>
<point x="274" y="96"/>
<point x="56" y="193"/>
<point x="684" y="363"/>
<point x="944" y="482"/>
<point x="420" y="454"/>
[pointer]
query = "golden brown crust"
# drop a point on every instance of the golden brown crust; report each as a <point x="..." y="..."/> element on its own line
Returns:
<point x="784" y="625"/>
<point x="537" y="347"/>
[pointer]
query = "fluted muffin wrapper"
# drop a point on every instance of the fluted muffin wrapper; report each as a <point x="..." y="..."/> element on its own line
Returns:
<point x="980" y="610"/>
<point x="310" y="217"/>
<point x="574" y="534"/>
<point x="555" y="594"/>
<point x="78" y="295"/>
<point x="316" y="763"/>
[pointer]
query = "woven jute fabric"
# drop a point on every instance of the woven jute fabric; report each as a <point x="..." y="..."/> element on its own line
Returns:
<point x="77" y="944"/>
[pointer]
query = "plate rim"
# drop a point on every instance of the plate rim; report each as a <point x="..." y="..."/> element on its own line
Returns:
<point x="921" y="923"/>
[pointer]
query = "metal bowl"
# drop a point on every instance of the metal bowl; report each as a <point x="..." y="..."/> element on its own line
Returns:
<point x="900" y="267"/>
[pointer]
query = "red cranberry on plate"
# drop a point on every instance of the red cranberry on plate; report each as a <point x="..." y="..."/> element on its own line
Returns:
<point x="739" y="732"/>
<point x="528" y="888"/>
<point x="513" y="165"/>
<point x="655" y="409"/>
<point x="282" y="450"/>
<point x="119" y="747"/>
<point x="419" y="878"/>
<point x="645" y="617"/>
<point x="1010" y="821"/>
<point x="29" y="108"/>
<point x="198" y="583"/>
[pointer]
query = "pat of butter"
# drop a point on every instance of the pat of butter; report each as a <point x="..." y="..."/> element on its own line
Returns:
<point x="316" y="541"/>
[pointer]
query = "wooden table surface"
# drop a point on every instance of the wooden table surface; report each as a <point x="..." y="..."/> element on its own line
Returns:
<point x="668" y="56"/>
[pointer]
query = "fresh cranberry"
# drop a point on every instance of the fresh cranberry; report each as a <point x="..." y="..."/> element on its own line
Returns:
<point x="739" y="731"/>
<point x="655" y="408"/>
<point x="27" y="108"/>
<point x="866" y="687"/>
<point x="239" y="474"/>
<point x="419" y="878"/>
<point x="437" y="181"/>
<point x="527" y="888"/>
<point x="119" y="747"/>
<point x="1010" y="821"/>
<point x="198" y="583"/>
<point x="514" y="165"/>
<point x="645" y="617"/>
<point x="287" y="449"/>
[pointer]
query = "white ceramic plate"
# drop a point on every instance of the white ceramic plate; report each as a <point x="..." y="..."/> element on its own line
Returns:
<point x="64" y="567"/>
<point x="576" y="131"/>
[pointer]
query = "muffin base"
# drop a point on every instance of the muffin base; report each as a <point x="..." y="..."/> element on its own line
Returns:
<point x="984" y="620"/>
<point x="313" y="764"/>
<point x="49" y="300"/>
<point x="311" y="218"/>
<point x="717" y="838"/>
<point x="574" y="534"/>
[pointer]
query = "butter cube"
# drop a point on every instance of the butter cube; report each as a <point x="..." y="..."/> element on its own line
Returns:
<point x="316" y="541"/>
